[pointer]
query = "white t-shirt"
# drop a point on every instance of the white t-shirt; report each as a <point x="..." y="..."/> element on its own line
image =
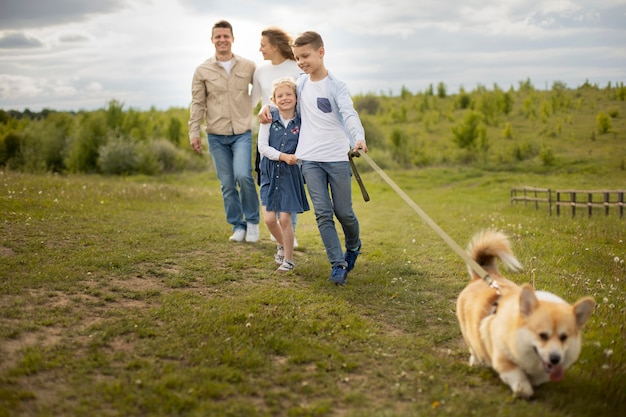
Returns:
<point x="322" y="136"/>
<point x="266" y="74"/>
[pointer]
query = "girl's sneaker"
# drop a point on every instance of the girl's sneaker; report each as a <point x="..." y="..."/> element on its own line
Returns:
<point x="279" y="257"/>
<point x="287" y="266"/>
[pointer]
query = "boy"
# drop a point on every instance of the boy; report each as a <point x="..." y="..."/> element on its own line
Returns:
<point x="330" y="127"/>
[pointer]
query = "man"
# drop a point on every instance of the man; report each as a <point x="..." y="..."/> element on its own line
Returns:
<point x="220" y="96"/>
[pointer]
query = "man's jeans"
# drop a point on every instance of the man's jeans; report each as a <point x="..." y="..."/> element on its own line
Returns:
<point x="337" y="201"/>
<point x="232" y="157"/>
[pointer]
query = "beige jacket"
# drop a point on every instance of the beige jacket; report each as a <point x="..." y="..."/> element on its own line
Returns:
<point x="222" y="100"/>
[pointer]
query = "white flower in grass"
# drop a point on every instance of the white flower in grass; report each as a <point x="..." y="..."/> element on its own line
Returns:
<point x="616" y="259"/>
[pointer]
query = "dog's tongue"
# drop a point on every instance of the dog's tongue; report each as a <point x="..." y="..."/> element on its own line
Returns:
<point x="557" y="373"/>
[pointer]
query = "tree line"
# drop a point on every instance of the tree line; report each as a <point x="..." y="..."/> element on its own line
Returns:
<point x="407" y="130"/>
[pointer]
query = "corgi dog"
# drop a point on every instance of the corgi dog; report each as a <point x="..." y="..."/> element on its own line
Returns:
<point x="528" y="337"/>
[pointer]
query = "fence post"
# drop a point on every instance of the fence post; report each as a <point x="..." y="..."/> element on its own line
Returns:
<point x="606" y="203"/>
<point x="550" y="201"/>
<point x="558" y="201"/>
<point x="589" y="204"/>
<point x="572" y="199"/>
<point x="620" y="198"/>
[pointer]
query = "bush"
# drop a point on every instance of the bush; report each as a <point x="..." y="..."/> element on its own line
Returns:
<point x="120" y="156"/>
<point x="168" y="156"/>
<point x="547" y="157"/>
<point x="91" y="135"/>
<point x="373" y="135"/>
<point x="368" y="104"/>
<point x="10" y="149"/>
<point x="470" y="131"/>
<point x="603" y="121"/>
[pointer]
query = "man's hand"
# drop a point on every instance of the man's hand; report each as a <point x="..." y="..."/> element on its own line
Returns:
<point x="196" y="144"/>
<point x="264" y="114"/>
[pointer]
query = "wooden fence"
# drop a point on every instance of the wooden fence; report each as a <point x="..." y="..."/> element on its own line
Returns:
<point x="573" y="199"/>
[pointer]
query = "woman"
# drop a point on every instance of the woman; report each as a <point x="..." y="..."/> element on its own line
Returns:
<point x="276" y="48"/>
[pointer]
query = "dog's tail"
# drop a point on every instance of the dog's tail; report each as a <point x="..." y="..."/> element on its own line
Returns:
<point x="489" y="245"/>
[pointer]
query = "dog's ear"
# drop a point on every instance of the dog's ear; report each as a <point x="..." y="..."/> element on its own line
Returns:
<point x="583" y="309"/>
<point x="527" y="300"/>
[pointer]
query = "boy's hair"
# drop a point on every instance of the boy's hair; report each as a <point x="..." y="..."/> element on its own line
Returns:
<point x="281" y="39"/>
<point x="309" y="38"/>
<point x="288" y="81"/>
<point x="222" y="24"/>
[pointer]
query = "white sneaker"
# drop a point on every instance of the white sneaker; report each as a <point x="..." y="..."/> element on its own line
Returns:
<point x="238" y="236"/>
<point x="279" y="257"/>
<point x="252" y="234"/>
<point x="287" y="266"/>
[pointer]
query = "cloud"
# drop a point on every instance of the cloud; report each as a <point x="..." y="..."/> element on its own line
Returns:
<point x="38" y="13"/>
<point x="19" y="41"/>
<point x="144" y="52"/>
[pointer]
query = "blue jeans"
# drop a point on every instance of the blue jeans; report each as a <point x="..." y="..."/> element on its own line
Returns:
<point x="232" y="157"/>
<point x="330" y="189"/>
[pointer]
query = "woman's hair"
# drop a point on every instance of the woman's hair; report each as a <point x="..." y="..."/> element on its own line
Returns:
<point x="280" y="39"/>
<point x="288" y="81"/>
<point x="309" y="38"/>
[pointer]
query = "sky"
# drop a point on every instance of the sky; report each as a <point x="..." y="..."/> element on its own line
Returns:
<point x="71" y="55"/>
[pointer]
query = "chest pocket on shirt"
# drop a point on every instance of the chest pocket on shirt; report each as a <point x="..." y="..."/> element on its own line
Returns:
<point x="323" y="104"/>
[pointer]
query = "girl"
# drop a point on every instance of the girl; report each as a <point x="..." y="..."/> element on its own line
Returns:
<point x="282" y="186"/>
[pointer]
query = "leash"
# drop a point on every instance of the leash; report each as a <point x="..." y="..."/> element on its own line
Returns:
<point x="364" y="192"/>
<point x="479" y="270"/>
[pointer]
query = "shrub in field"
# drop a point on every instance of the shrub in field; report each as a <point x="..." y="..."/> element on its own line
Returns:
<point x="373" y="135"/>
<point x="368" y="104"/>
<point x="621" y="92"/>
<point x="470" y="132"/>
<point x="603" y="122"/>
<point x="441" y="90"/>
<point x="399" y="146"/>
<point x="121" y="156"/>
<point x="83" y="150"/>
<point x="45" y="143"/>
<point x="169" y="157"/>
<point x="174" y="130"/>
<point x="463" y="99"/>
<point x="507" y="132"/>
<point x="547" y="157"/>
<point x="10" y="149"/>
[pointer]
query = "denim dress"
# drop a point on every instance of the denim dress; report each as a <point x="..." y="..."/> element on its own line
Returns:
<point x="282" y="185"/>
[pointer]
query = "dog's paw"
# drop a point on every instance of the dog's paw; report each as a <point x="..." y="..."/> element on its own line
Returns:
<point x="472" y="360"/>
<point x="518" y="382"/>
<point x="523" y="391"/>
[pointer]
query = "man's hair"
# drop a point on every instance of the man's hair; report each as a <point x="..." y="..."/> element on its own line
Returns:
<point x="280" y="39"/>
<point x="309" y="38"/>
<point x="222" y="24"/>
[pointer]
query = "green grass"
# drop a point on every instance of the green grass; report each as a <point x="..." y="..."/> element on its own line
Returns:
<point x="123" y="297"/>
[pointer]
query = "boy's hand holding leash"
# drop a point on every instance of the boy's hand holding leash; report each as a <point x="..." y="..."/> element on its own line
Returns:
<point x="359" y="147"/>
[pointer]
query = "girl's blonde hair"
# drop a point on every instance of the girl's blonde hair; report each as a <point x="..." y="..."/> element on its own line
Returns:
<point x="288" y="81"/>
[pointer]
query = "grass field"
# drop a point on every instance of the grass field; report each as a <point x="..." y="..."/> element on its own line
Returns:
<point x="123" y="297"/>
